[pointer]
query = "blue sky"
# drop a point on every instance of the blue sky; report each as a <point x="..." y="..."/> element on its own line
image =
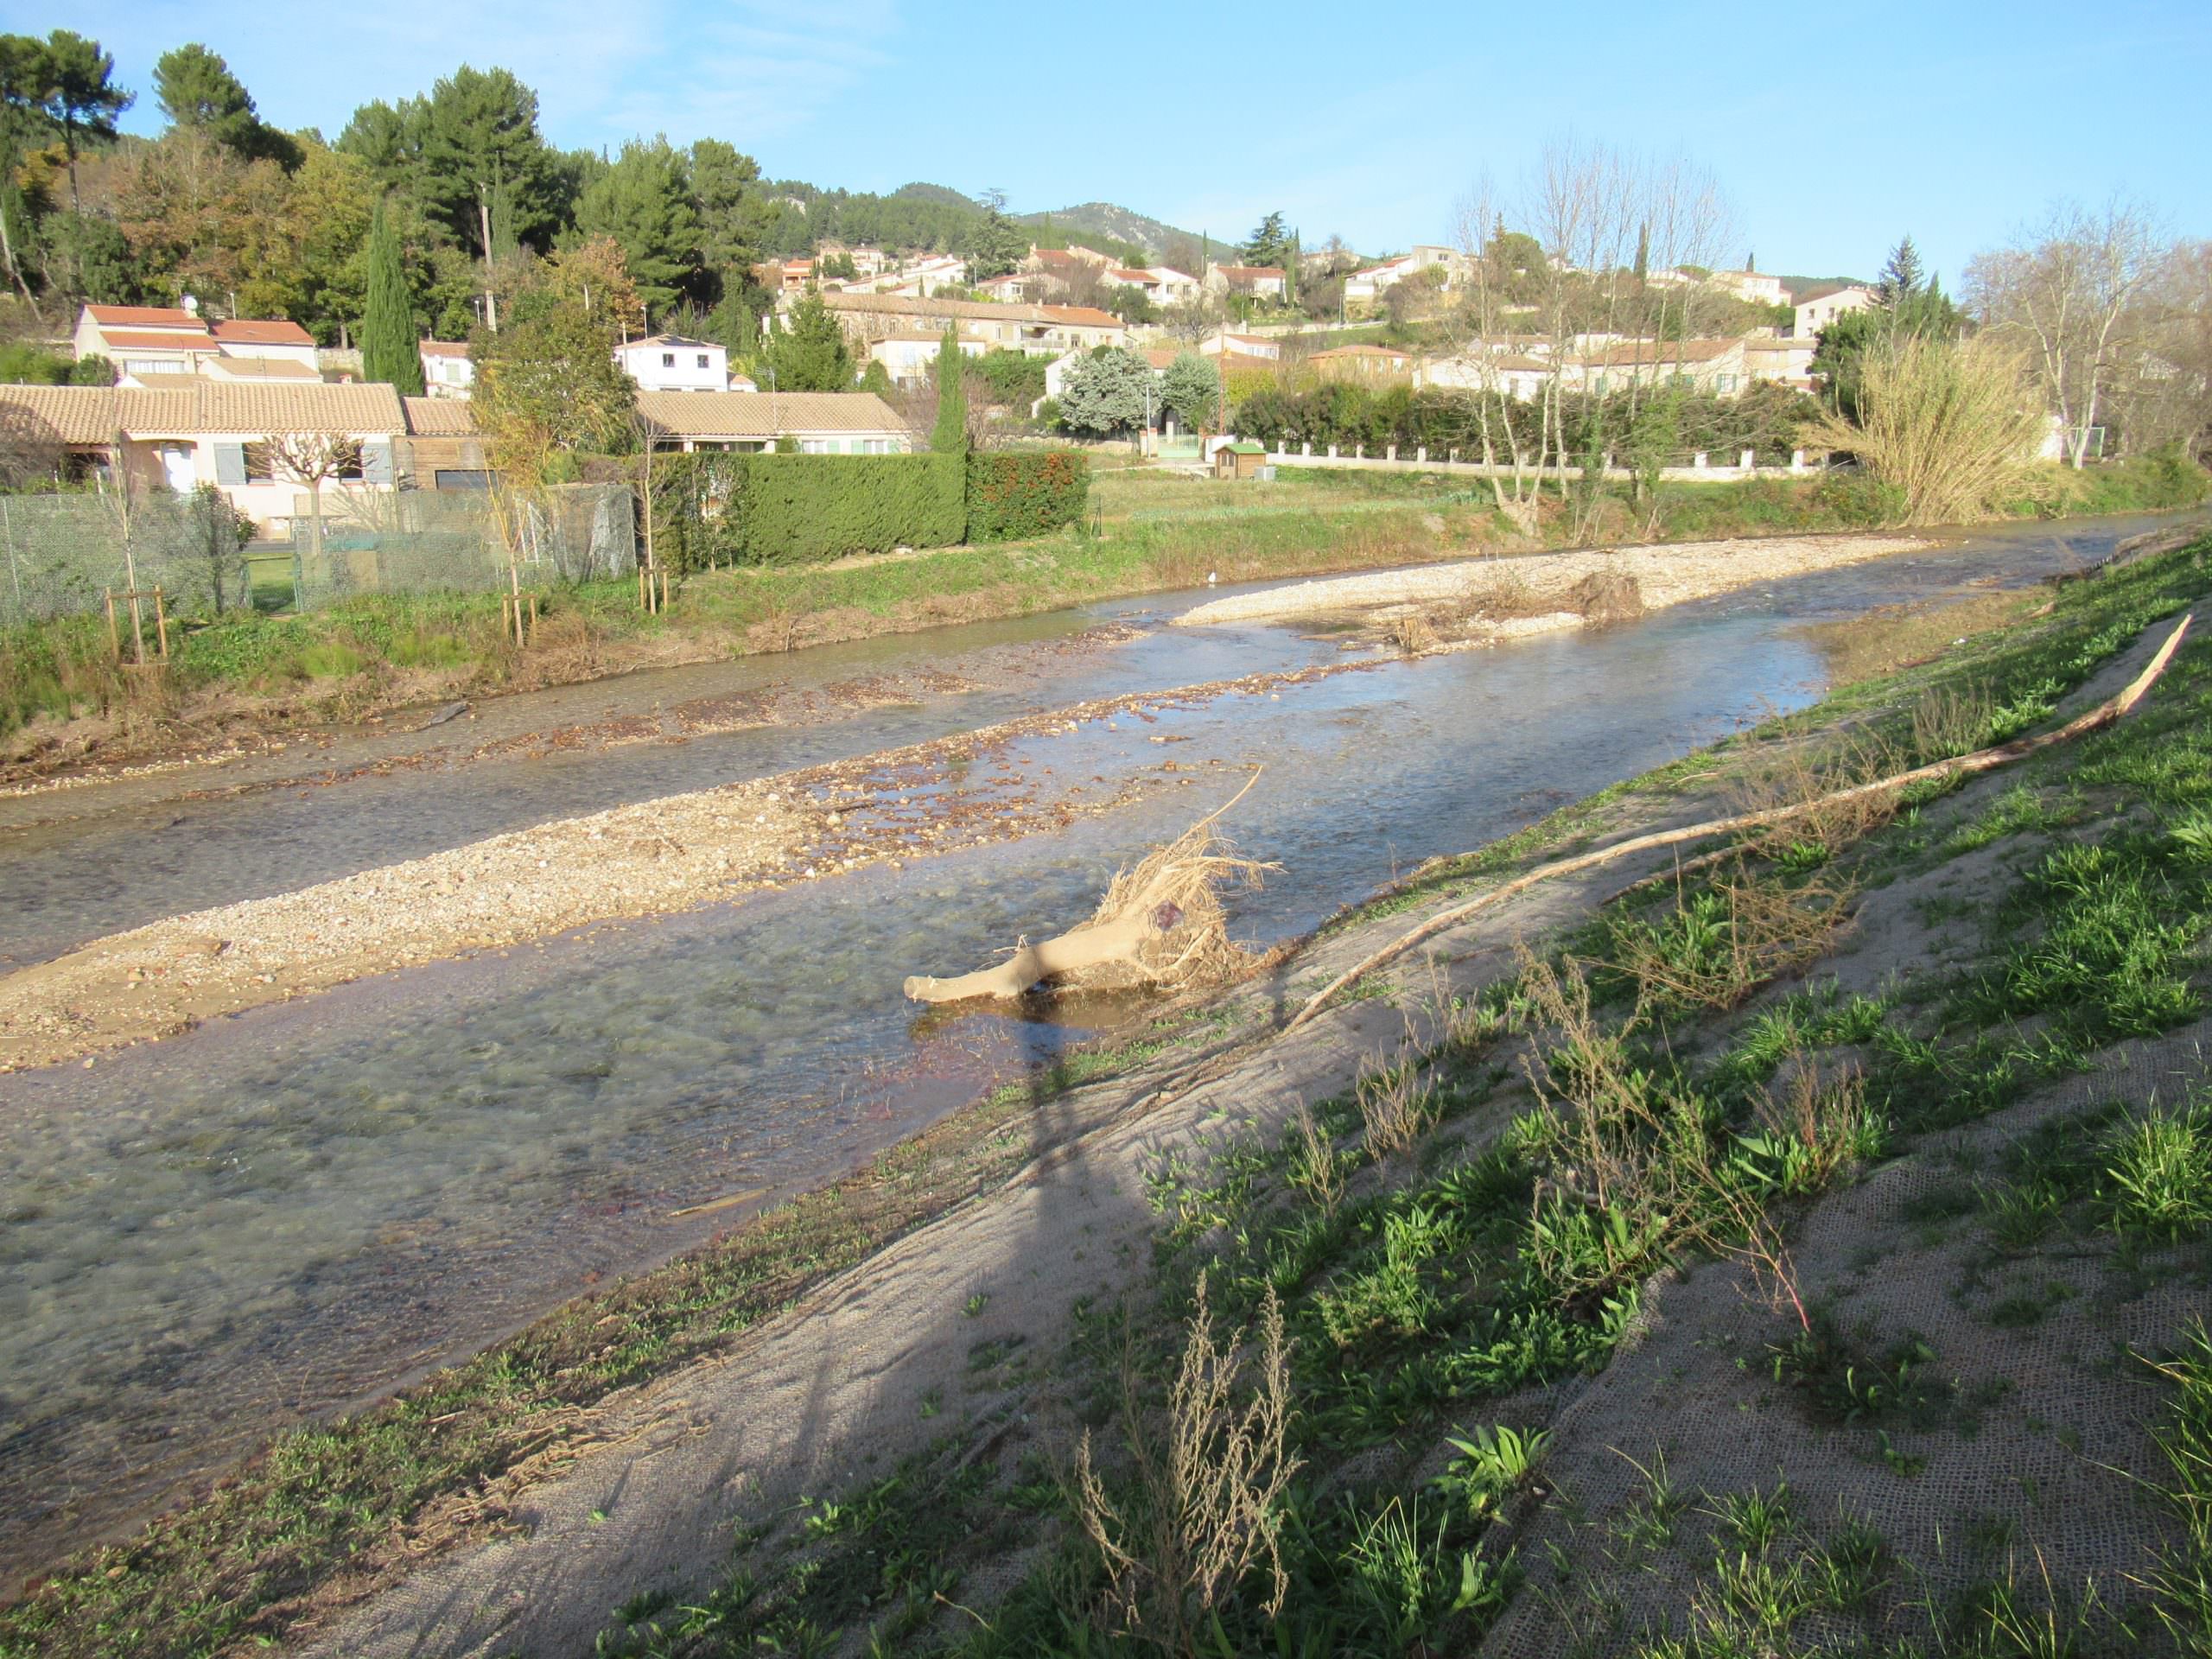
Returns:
<point x="1954" y="121"/>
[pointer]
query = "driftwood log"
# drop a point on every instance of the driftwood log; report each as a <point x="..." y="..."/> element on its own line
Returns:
<point x="1966" y="766"/>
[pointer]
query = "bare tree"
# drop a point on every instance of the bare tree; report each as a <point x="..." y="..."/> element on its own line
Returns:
<point x="2162" y="391"/>
<point x="1483" y="347"/>
<point x="2067" y="288"/>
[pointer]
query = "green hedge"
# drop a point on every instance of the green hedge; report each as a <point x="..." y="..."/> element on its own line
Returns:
<point x="1015" y="494"/>
<point x="776" y="509"/>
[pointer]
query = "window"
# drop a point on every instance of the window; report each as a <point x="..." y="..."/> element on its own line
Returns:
<point x="259" y="468"/>
<point x="1724" y="383"/>
<point x="703" y="360"/>
<point x="668" y="359"/>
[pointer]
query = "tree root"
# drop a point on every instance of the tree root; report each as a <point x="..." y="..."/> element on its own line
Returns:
<point x="1966" y="766"/>
<point x="1160" y="924"/>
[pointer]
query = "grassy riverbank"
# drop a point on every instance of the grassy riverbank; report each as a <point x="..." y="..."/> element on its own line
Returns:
<point x="1419" y="1279"/>
<point x="63" y="699"/>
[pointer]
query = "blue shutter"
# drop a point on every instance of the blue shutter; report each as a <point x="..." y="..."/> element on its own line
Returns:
<point x="230" y="463"/>
<point x="376" y="462"/>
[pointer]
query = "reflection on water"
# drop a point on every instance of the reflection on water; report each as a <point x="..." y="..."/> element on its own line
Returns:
<point x="291" y="1209"/>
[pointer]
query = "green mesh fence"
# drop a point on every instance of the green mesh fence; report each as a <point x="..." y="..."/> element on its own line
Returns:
<point x="58" y="554"/>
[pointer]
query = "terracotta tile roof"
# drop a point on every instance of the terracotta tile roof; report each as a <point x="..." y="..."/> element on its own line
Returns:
<point x="132" y="340"/>
<point x="1360" y="350"/>
<point x="92" y="414"/>
<point x="765" y="415"/>
<point x="256" y="407"/>
<point x="145" y="316"/>
<point x="443" y="347"/>
<point x="439" y="418"/>
<point x="1657" y="354"/>
<point x="245" y="331"/>
<point x="262" y="368"/>
<point x="80" y="415"/>
<point x="1090" y="315"/>
<point x="1249" y="271"/>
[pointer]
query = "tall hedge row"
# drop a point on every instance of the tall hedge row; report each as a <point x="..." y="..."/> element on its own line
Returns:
<point x="714" y="509"/>
<point x="1015" y="494"/>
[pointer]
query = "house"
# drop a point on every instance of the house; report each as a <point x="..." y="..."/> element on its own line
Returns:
<point x="1222" y="343"/>
<point x="1013" y="288"/>
<point x="1370" y="364"/>
<point x="673" y="363"/>
<point x="210" y="431"/>
<point x="918" y="278"/>
<point x="176" y="340"/>
<point x="820" y="423"/>
<point x="447" y="369"/>
<point x="1371" y="283"/>
<point x="1035" y="330"/>
<point x="1717" y="367"/>
<point x="442" y="449"/>
<point x="785" y="276"/>
<point x="1787" y="362"/>
<point x="1261" y="282"/>
<point x="1818" y="306"/>
<point x="908" y="358"/>
<point x="867" y="262"/>
<point x="1753" y="287"/>
<point x="1491" y="368"/>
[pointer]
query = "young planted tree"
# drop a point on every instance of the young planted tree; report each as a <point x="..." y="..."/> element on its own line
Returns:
<point x="217" y="533"/>
<point x="388" y="350"/>
<point x="949" y="433"/>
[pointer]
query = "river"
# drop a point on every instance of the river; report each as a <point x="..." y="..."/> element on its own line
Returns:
<point x="290" y="1211"/>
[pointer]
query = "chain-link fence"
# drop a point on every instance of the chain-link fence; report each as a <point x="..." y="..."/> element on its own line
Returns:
<point x="60" y="554"/>
<point x="421" y="541"/>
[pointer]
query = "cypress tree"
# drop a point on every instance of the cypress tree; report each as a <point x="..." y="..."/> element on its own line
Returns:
<point x="389" y="352"/>
<point x="950" y="435"/>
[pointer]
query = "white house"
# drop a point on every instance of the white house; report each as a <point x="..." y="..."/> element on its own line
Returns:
<point x="1261" y="282"/>
<point x="210" y="431"/>
<point x="1372" y="282"/>
<point x="447" y="369"/>
<point x="909" y="357"/>
<point x="819" y="423"/>
<point x="1036" y="330"/>
<point x="1754" y="286"/>
<point x="672" y="363"/>
<point x="160" y="340"/>
<point x="1818" y="306"/>
<point x="1222" y="343"/>
<point x="1785" y="362"/>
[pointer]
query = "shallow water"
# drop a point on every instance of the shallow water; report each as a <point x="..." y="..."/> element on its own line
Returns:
<point x="292" y="1209"/>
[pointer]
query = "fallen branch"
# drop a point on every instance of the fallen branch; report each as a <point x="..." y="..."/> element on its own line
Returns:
<point x="1965" y="765"/>
<point x="1160" y="924"/>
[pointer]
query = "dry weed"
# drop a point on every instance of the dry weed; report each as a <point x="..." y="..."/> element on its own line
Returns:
<point x="1501" y="598"/>
<point x="1721" y="948"/>
<point x="1606" y="1130"/>
<point x="1949" y="722"/>
<point x="1205" y="1507"/>
<point x="1315" y="1169"/>
<point x="1607" y="596"/>
<point x="1397" y="1102"/>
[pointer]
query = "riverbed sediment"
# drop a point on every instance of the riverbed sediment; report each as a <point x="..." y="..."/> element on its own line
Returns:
<point x="1670" y="575"/>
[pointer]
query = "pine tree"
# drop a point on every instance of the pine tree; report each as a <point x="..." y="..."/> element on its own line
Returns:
<point x="949" y="436"/>
<point x="389" y="352"/>
<point x="1902" y="277"/>
<point x="810" y="353"/>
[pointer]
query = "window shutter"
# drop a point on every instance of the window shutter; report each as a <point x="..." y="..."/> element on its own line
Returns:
<point x="230" y="463"/>
<point x="376" y="462"/>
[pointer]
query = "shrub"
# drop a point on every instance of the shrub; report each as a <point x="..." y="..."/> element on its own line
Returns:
<point x="1015" y="494"/>
<point x="779" y="509"/>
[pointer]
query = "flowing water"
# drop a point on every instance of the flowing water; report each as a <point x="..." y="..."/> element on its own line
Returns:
<point x="292" y="1210"/>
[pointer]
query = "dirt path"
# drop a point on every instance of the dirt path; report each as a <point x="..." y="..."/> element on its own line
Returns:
<point x="1669" y="575"/>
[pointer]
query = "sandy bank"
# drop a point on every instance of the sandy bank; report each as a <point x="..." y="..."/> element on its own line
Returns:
<point x="1666" y="574"/>
<point x="648" y="858"/>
